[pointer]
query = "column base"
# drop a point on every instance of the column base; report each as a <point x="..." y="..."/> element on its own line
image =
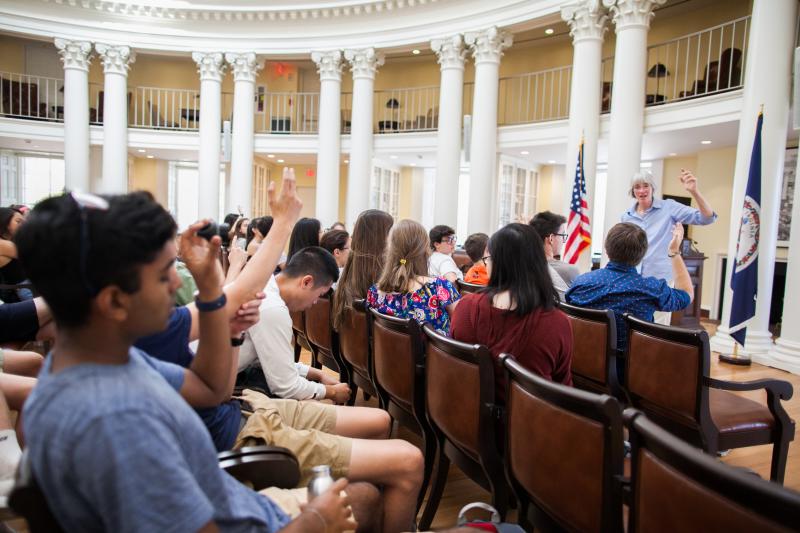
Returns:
<point x="757" y="343"/>
<point x="785" y="355"/>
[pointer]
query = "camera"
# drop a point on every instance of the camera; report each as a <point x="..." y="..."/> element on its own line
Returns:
<point x="212" y="228"/>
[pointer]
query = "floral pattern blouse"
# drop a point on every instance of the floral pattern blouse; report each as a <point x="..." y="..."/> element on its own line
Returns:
<point x="426" y="305"/>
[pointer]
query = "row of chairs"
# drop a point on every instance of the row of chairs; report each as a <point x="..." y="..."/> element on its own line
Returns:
<point x="667" y="376"/>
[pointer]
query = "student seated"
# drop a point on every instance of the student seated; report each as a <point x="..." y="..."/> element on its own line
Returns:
<point x="553" y="232"/>
<point x="475" y="246"/>
<point x="440" y="262"/>
<point x="25" y="321"/>
<point x="404" y="290"/>
<point x="268" y="345"/>
<point x="112" y="441"/>
<point x="622" y="289"/>
<point x="516" y="313"/>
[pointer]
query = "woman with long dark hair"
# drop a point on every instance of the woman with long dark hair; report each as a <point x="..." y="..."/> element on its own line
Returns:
<point x="364" y="263"/>
<point x="11" y="272"/>
<point x="305" y="233"/>
<point x="256" y="232"/>
<point x="516" y="312"/>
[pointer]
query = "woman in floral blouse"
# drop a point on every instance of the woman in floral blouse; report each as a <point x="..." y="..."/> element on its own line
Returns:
<point x="404" y="290"/>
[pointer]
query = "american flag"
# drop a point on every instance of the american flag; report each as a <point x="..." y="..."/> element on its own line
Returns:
<point x="579" y="235"/>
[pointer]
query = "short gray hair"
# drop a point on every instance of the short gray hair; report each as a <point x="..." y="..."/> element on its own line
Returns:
<point x="645" y="176"/>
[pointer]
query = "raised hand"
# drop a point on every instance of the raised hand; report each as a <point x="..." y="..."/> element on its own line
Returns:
<point x="201" y="257"/>
<point x="688" y="180"/>
<point x="677" y="239"/>
<point x="286" y="205"/>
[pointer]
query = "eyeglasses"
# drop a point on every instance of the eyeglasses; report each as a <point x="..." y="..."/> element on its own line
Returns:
<point x="86" y="202"/>
<point x="562" y="235"/>
<point x="486" y="259"/>
<point x="451" y="239"/>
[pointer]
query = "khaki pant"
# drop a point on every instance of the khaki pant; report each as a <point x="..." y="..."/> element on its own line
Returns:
<point x="304" y="428"/>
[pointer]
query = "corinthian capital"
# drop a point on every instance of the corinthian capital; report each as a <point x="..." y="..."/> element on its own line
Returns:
<point x="210" y="65"/>
<point x="75" y="54"/>
<point x="364" y="62"/>
<point x="116" y="59"/>
<point x="488" y="45"/>
<point x="245" y="67"/>
<point x="586" y="20"/>
<point x="450" y="52"/>
<point x="329" y="64"/>
<point x="631" y="13"/>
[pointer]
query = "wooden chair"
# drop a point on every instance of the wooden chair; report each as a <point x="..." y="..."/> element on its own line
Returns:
<point x="355" y="350"/>
<point x="563" y="454"/>
<point x="260" y="467"/>
<point x="27" y="500"/>
<point x="594" y="352"/>
<point x="464" y="287"/>
<point x="462" y="261"/>
<point x="299" y="332"/>
<point x="675" y="487"/>
<point x="398" y="352"/>
<point x="460" y="398"/>
<point x="323" y="339"/>
<point x="667" y="377"/>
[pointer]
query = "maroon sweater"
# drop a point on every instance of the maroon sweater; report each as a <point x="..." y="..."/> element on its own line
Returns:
<point x="541" y="341"/>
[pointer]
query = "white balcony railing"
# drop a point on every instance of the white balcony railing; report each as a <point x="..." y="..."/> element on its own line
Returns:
<point x="535" y="96"/>
<point x="31" y="97"/>
<point x="701" y="63"/>
<point x="287" y="112"/>
<point x="407" y="109"/>
<point x="159" y="108"/>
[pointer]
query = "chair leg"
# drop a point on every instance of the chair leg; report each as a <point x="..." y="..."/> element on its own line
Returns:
<point x="780" y="451"/>
<point x="437" y="488"/>
<point x="366" y="395"/>
<point x="429" y="450"/>
<point x="353" y="392"/>
<point x="297" y="350"/>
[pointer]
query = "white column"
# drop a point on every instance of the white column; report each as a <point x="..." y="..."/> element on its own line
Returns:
<point x="329" y="66"/>
<point x="116" y="62"/>
<point x="587" y="23"/>
<point x="363" y="64"/>
<point x="769" y="57"/>
<point x="211" y="69"/>
<point x="487" y="48"/>
<point x="450" y="53"/>
<point x="244" y="68"/>
<point x="632" y="21"/>
<point x="76" y="56"/>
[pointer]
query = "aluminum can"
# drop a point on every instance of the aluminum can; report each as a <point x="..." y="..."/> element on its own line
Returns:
<point x="321" y="481"/>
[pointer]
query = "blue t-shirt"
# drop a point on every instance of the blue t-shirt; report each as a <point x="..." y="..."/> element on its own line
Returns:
<point x="115" y="448"/>
<point x="623" y="290"/>
<point x="172" y="345"/>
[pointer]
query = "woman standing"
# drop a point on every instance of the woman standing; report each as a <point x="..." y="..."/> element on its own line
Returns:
<point x="516" y="312"/>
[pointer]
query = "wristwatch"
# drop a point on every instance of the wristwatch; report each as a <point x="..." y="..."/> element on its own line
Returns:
<point x="673" y="255"/>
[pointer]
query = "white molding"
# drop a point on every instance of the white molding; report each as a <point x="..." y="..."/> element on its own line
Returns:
<point x="714" y="109"/>
<point x="419" y="21"/>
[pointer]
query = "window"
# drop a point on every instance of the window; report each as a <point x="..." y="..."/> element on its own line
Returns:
<point x="261" y="175"/>
<point x="183" y="193"/>
<point x="28" y="179"/>
<point x="385" y="190"/>
<point x="516" y="193"/>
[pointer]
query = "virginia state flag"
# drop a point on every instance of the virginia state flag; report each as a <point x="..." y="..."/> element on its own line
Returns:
<point x="744" y="281"/>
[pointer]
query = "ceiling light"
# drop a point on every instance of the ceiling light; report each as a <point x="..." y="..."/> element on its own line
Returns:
<point x="346" y="160"/>
<point x="413" y="164"/>
<point x="672" y="154"/>
<point x="705" y="142"/>
<point x="524" y="152"/>
<point x="150" y="156"/>
<point x="141" y="150"/>
<point x="392" y="157"/>
<point x="549" y="31"/>
<point x="270" y="155"/>
<point x="36" y="146"/>
<point x="415" y="52"/>
<point x="280" y="160"/>
<point x="551" y="162"/>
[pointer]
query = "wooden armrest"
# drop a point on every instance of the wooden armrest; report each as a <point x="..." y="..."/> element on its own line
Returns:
<point x="782" y="389"/>
<point x="262" y="466"/>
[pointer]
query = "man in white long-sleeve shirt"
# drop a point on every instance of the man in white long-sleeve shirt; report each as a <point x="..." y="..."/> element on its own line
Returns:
<point x="308" y="275"/>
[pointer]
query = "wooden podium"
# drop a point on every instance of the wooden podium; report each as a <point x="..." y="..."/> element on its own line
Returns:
<point x="690" y="317"/>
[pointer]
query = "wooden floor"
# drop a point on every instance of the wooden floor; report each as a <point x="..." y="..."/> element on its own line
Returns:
<point x="460" y="490"/>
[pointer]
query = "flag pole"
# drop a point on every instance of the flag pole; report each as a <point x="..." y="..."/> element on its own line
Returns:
<point x="735" y="358"/>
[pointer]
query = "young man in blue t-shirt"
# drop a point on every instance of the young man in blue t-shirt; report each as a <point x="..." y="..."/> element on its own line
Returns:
<point x="112" y="441"/>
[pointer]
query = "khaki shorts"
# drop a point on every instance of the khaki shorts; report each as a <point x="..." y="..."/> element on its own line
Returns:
<point x="304" y="428"/>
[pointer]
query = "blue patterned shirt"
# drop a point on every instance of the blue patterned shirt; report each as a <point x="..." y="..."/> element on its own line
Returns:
<point x="657" y="223"/>
<point x="426" y="305"/>
<point x="623" y="290"/>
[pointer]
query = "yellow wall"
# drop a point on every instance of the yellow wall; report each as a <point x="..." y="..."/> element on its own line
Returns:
<point x="12" y="54"/>
<point x="151" y="175"/>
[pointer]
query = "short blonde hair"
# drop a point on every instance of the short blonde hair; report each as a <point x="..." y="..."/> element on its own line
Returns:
<point x="644" y="176"/>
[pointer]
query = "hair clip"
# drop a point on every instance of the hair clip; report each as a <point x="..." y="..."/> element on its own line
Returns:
<point x="402" y="261"/>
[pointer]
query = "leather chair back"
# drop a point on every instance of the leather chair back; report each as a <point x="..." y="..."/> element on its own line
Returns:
<point x="397" y="351"/>
<point x="464" y="287"/>
<point x="594" y="341"/>
<point x="564" y="453"/>
<point x="354" y="338"/>
<point x="665" y="369"/>
<point x="298" y="321"/>
<point x="676" y="487"/>
<point x="318" y="324"/>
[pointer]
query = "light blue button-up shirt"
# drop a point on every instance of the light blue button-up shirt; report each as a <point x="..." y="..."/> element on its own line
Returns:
<point x="657" y="222"/>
